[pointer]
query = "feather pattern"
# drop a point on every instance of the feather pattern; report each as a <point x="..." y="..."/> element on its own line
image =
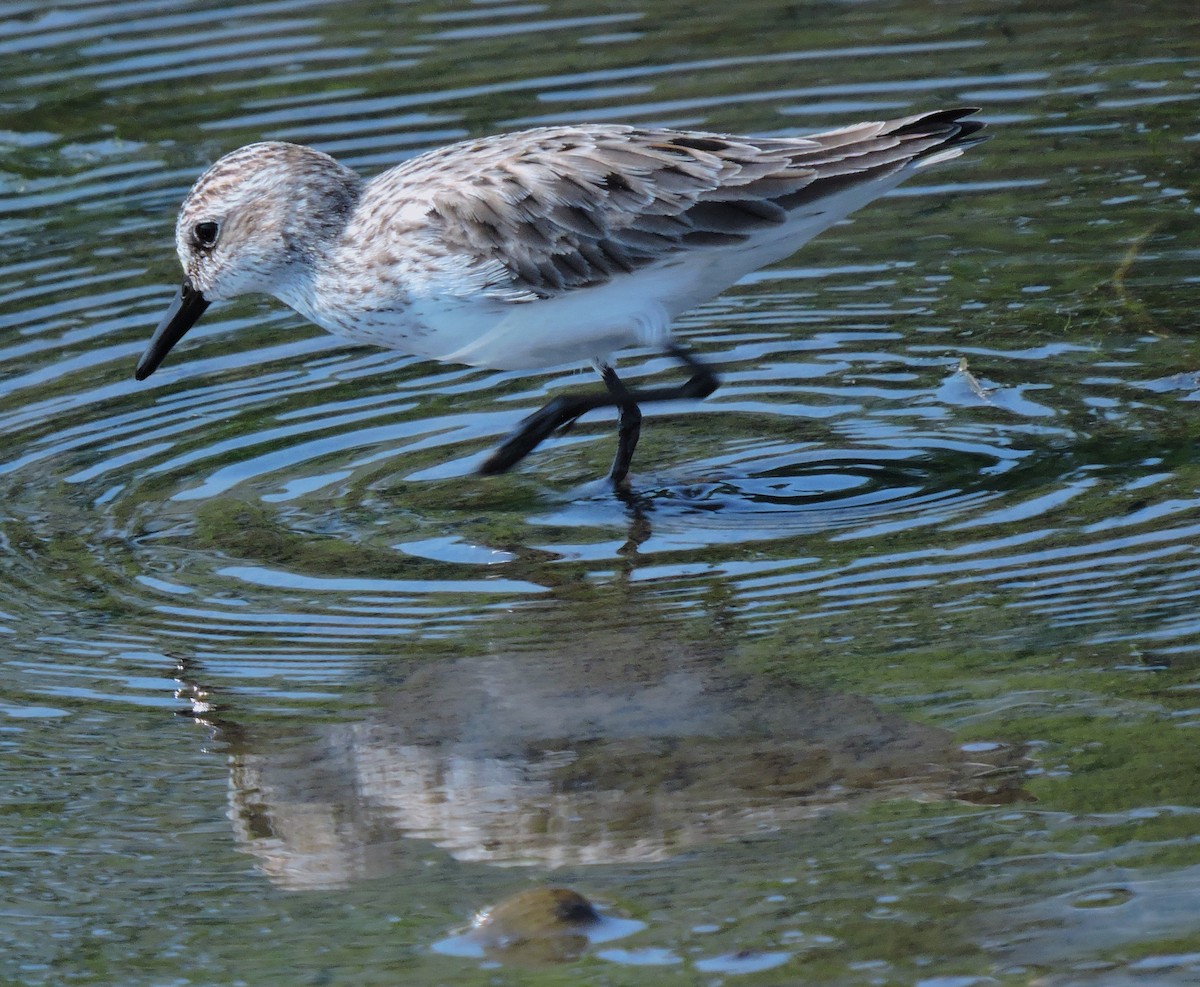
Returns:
<point x="539" y="213"/>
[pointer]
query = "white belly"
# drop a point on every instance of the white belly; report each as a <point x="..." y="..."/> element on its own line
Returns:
<point x="585" y="325"/>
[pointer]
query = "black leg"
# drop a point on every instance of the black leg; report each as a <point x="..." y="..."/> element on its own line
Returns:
<point x="562" y="411"/>
<point x="629" y="425"/>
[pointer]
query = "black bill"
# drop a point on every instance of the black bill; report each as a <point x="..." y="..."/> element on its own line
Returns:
<point x="187" y="307"/>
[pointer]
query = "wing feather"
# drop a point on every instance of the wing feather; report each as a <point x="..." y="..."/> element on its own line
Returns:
<point x="541" y="212"/>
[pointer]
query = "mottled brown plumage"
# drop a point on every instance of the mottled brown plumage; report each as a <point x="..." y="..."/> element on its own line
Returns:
<point x="563" y="208"/>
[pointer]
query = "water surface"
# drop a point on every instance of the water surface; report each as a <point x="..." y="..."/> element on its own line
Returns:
<point x="887" y="674"/>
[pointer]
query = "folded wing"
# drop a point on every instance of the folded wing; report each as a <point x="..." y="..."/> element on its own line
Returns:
<point x="539" y="213"/>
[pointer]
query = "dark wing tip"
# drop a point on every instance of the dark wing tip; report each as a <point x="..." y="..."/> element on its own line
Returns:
<point x="948" y="124"/>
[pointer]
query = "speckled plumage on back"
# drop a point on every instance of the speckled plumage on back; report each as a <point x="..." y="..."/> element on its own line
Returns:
<point x="535" y="248"/>
<point x="547" y="211"/>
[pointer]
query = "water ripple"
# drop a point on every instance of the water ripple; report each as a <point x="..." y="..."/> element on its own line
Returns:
<point x="928" y="554"/>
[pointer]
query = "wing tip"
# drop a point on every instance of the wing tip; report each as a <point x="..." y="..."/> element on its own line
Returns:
<point x="947" y="123"/>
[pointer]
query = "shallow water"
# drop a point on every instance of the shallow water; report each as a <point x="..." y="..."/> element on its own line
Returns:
<point x="888" y="673"/>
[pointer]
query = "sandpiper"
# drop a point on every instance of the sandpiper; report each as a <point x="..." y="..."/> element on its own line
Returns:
<point x="532" y="249"/>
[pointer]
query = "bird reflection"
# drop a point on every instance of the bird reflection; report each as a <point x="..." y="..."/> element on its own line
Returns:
<point x="630" y="746"/>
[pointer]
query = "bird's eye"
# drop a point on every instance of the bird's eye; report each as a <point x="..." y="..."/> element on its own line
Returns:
<point x="206" y="234"/>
